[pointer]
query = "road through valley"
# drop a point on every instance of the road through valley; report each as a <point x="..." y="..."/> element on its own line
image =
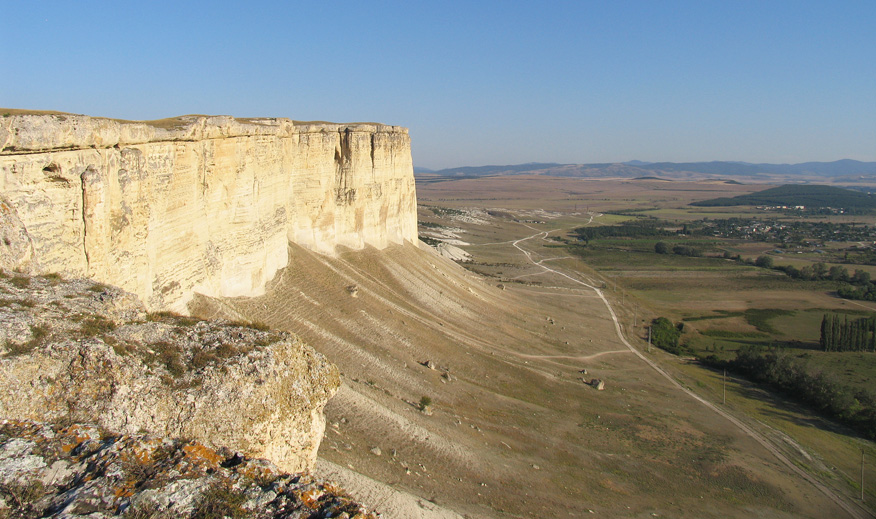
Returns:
<point x="852" y="508"/>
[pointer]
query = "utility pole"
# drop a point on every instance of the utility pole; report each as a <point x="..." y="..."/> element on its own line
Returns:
<point x="862" y="474"/>
<point x="724" y="378"/>
<point x="649" y="339"/>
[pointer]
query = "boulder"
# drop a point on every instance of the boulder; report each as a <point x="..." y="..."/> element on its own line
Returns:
<point x="80" y="351"/>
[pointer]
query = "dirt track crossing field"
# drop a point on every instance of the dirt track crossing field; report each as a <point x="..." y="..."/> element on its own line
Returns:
<point x="850" y="507"/>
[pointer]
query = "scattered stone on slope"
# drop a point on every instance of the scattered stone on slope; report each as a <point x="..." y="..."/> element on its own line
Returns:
<point x="80" y="351"/>
<point x="81" y="470"/>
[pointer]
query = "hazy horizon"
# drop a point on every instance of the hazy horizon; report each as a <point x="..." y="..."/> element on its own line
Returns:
<point x="638" y="162"/>
<point x="477" y="83"/>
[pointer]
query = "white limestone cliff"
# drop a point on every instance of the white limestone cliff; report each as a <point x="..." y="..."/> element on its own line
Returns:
<point x="195" y="204"/>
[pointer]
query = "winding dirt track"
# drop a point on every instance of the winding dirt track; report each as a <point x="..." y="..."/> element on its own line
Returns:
<point x="851" y="508"/>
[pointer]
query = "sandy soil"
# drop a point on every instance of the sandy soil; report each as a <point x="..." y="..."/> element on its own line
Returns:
<point x="390" y="502"/>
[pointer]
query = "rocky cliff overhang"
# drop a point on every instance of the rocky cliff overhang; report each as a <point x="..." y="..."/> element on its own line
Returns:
<point x="204" y="204"/>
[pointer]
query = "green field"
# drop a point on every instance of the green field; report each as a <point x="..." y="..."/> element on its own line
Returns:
<point x="795" y="332"/>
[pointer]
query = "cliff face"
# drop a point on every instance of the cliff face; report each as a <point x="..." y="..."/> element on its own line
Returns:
<point x="195" y="204"/>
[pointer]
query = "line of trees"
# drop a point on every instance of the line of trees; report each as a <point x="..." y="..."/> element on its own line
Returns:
<point x="845" y="335"/>
<point x="820" y="391"/>
<point x="819" y="272"/>
<point x="853" y="286"/>
<point x="630" y="229"/>
<point x="863" y="292"/>
<point x="682" y="250"/>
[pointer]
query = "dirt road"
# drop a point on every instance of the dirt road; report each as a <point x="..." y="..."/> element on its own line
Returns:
<point x="852" y="508"/>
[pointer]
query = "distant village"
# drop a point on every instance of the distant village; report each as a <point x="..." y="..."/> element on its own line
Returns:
<point x="821" y="210"/>
<point x="808" y="233"/>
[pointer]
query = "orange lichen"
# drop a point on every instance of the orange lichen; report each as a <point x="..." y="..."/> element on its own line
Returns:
<point x="201" y="454"/>
<point x="310" y="498"/>
<point x="143" y="451"/>
<point x="126" y="490"/>
<point x="117" y="469"/>
<point x="257" y="472"/>
<point x="332" y="488"/>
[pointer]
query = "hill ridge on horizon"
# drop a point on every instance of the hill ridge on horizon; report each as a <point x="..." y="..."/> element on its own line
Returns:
<point x="637" y="168"/>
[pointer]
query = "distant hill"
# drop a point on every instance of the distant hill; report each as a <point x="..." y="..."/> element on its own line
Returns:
<point x="633" y="169"/>
<point x="479" y="171"/>
<point x="810" y="196"/>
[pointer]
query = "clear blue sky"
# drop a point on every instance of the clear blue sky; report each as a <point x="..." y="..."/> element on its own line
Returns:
<point x="477" y="83"/>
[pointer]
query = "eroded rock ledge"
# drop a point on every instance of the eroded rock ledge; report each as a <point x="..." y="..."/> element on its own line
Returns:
<point x="80" y="351"/>
<point x="195" y="204"/>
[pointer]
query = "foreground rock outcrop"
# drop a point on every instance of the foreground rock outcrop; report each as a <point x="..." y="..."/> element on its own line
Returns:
<point x="169" y="208"/>
<point x="79" y="351"/>
<point x="80" y="470"/>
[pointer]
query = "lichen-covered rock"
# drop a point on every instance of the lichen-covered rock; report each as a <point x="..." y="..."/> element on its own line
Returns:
<point x="196" y="204"/>
<point x="81" y="351"/>
<point x="81" y="470"/>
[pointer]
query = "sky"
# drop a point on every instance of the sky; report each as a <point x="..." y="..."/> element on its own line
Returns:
<point x="477" y="83"/>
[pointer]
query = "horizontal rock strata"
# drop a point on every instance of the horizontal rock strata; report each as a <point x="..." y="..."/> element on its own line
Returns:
<point x="201" y="204"/>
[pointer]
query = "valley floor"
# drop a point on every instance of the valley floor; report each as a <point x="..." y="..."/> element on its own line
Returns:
<point x="514" y="431"/>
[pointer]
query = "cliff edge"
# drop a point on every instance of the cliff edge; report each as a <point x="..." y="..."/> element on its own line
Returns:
<point x="195" y="204"/>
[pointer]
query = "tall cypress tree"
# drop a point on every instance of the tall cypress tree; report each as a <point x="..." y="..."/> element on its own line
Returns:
<point x="872" y="339"/>
<point x="855" y="336"/>
<point x="872" y="345"/>
<point x="824" y="332"/>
